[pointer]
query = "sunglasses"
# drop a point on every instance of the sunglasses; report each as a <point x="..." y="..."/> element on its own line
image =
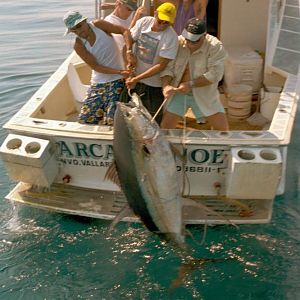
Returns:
<point x="162" y="22"/>
<point x="78" y="26"/>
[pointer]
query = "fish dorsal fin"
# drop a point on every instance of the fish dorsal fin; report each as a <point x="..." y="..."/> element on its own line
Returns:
<point x="112" y="174"/>
<point x="194" y="203"/>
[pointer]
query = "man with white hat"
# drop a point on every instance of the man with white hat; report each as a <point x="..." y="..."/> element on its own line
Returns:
<point x="95" y="45"/>
<point x="191" y="79"/>
<point x="125" y="13"/>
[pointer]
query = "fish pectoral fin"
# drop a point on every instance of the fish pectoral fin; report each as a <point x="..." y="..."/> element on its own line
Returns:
<point x="112" y="174"/>
<point x="194" y="203"/>
<point x="177" y="153"/>
<point x="124" y="212"/>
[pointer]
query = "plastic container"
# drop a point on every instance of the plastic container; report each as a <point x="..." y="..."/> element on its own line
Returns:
<point x="243" y="66"/>
<point x="239" y="101"/>
<point x="269" y="101"/>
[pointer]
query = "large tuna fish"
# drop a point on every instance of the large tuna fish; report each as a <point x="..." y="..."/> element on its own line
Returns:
<point x="146" y="170"/>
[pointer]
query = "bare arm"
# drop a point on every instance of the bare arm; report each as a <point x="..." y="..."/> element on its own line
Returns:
<point x="168" y="89"/>
<point x="92" y="62"/>
<point x="128" y="55"/>
<point x="200" y="8"/>
<point x="141" y="11"/>
<point x="110" y="28"/>
<point x="166" y="80"/>
<point x="157" y="68"/>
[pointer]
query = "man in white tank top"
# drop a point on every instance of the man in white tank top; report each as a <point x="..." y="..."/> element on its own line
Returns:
<point x="95" y="45"/>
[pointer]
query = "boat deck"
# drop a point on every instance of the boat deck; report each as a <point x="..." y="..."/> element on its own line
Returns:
<point x="233" y="125"/>
<point x="106" y="205"/>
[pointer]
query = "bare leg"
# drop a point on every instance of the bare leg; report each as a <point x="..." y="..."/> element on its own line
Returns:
<point x="169" y="120"/>
<point x="218" y="121"/>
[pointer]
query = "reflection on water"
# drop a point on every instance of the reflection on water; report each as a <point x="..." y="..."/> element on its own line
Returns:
<point x="83" y="260"/>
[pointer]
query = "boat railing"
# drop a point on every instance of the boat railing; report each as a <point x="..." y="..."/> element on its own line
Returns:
<point x="97" y="8"/>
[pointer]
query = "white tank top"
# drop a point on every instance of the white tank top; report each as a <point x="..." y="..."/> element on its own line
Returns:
<point x="106" y="53"/>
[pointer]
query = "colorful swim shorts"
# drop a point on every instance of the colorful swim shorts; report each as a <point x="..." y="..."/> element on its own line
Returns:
<point x="100" y="104"/>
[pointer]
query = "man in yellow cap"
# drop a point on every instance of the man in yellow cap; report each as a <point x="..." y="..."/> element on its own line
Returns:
<point x="154" y="44"/>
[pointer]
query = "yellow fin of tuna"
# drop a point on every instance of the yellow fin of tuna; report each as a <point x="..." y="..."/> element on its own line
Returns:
<point x="112" y="174"/>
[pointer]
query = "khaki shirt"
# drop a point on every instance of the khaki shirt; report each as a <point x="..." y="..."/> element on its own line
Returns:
<point x="208" y="61"/>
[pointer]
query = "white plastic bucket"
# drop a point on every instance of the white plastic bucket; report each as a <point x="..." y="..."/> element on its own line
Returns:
<point x="269" y="101"/>
<point x="239" y="91"/>
<point x="239" y="104"/>
<point x="234" y="118"/>
<point x="239" y="112"/>
<point x="239" y="101"/>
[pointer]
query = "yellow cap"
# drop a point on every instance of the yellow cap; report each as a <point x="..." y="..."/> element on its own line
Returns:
<point x="166" y="12"/>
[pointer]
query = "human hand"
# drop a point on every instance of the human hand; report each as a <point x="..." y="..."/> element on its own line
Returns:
<point x="131" y="82"/>
<point x="169" y="91"/>
<point x="131" y="69"/>
<point x="184" y="88"/>
<point x="142" y="10"/>
<point x="131" y="60"/>
<point x="125" y="73"/>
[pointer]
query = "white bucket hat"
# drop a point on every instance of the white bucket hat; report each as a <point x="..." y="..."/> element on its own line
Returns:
<point x="71" y="19"/>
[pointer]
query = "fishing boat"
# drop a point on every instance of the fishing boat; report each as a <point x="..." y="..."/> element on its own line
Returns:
<point x="60" y="164"/>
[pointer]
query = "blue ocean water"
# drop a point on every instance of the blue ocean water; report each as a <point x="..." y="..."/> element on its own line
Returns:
<point x="46" y="255"/>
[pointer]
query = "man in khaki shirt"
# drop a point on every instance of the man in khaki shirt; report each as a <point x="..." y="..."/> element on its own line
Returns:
<point x="191" y="79"/>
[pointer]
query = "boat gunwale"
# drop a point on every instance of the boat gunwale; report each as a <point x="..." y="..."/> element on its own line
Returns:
<point x="279" y="132"/>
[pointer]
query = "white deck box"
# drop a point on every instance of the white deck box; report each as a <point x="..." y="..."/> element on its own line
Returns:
<point x="254" y="173"/>
<point x="29" y="160"/>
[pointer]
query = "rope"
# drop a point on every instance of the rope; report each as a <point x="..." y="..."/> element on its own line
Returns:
<point x="157" y="112"/>
<point x="183" y="141"/>
<point x="129" y="93"/>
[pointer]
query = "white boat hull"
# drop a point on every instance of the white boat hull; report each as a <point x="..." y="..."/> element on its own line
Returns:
<point x="106" y="205"/>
